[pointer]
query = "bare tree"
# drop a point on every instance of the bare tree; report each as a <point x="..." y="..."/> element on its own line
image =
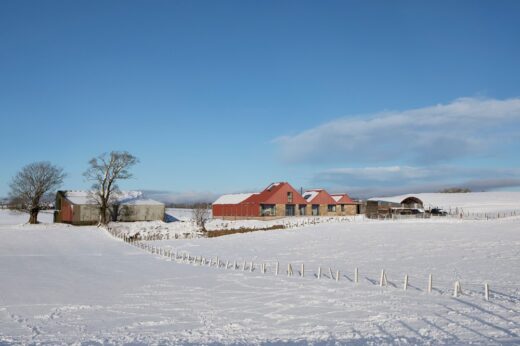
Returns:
<point x="104" y="172"/>
<point x="31" y="187"/>
<point x="201" y="215"/>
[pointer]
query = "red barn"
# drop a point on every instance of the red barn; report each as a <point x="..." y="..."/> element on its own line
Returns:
<point x="277" y="200"/>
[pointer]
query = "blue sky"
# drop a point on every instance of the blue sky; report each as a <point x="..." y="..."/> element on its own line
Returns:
<point x="367" y="97"/>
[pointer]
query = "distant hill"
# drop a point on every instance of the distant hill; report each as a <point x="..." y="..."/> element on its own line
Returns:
<point x="455" y="190"/>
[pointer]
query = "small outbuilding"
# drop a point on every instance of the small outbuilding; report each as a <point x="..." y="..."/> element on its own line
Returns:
<point x="80" y="208"/>
<point x="375" y="209"/>
<point x="394" y="207"/>
<point x="412" y="203"/>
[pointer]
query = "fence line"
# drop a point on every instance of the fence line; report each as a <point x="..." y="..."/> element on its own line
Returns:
<point x="441" y="286"/>
<point x="460" y="213"/>
<point x="452" y="214"/>
<point x="456" y="213"/>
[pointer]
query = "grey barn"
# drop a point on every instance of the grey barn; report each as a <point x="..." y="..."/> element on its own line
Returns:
<point x="80" y="208"/>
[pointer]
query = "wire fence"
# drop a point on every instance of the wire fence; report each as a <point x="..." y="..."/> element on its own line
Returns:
<point x="428" y="283"/>
<point x="456" y="213"/>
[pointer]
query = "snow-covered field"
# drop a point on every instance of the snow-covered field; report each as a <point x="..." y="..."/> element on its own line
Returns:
<point x="8" y="217"/>
<point x="79" y="285"/>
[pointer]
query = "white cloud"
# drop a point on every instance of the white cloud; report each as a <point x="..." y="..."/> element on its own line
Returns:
<point x="379" y="173"/>
<point x="474" y="185"/>
<point x="394" y="180"/>
<point x="463" y="128"/>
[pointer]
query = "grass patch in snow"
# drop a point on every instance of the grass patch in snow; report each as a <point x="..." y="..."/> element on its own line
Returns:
<point x="223" y="232"/>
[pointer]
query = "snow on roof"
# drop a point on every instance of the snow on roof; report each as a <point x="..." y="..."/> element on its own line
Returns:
<point x="233" y="198"/>
<point x="272" y="185"/>
<point x="393" y="199"/>
<point x="79" y="197"/>
<point x="310" y="195"/>
<point x="337" y="197"/>
<point x="141" y="201"/>
<point x="343" y="197"/>
<point x="123" y="197"/>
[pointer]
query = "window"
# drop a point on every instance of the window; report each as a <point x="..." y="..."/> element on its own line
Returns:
<point x="343" y="207"/>
<point x="289" y="197"/>
<point x="267" y="210"/>
<point x="331" y="208"/>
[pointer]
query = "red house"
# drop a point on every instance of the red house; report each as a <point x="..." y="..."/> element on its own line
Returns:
<point x="345" y="205"/>
<point x="277" y="200"/>
<point x="320" y="203"/>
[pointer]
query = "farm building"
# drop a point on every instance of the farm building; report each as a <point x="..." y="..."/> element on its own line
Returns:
<point x="380" y="208"/>
<point x="345" y="205"/>
<point x="376" y="208"/>
<point x="320" y="203"/>
<point x="79" y="208"/>
<point x="277" y="200"/>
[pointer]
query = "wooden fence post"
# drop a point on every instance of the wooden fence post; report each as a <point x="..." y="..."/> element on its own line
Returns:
<point x="337" y="275"/>
<point x="289" y="270"/>
<point x="277" y="267"/>
<point x="486" y="291"/>
<point x="382" y="280"/>
<point x="457" y="289"/>
<point x="302" y="272"/>
<point x="319" y="272"/>
<point x="405" y="285"/>
<point x="430" y="283"/>
<point x="356" y="275"/>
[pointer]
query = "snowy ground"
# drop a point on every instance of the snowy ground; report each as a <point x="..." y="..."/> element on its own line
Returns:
<point x="63" y="284"/>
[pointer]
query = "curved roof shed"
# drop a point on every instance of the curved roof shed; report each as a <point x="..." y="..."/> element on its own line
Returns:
<point x="412" y="202"/>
